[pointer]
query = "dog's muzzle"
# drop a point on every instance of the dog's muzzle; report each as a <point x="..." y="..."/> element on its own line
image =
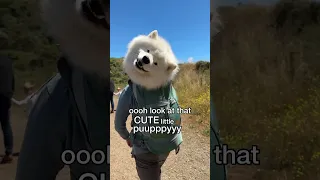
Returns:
<point x="96" y="12"/>
<point x="141" y="62"/>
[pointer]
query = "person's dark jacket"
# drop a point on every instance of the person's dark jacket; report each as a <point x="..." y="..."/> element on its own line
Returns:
<point x="6" y="77"/>
<point x="112" y="87"/>
<point x="66" y="117"/>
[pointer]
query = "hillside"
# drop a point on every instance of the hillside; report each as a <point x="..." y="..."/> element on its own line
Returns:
<point x="120" y="78"/>
<point x="265" y="69"/>
<point x="23" y="39"/>
<point x="116" y="72"/>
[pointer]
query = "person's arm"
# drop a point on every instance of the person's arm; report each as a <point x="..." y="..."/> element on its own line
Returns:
<point x="118" y="93"/>
<point x="122" y="113"/>
<point x="22" y="102"/>
<point x="44" y="139"/>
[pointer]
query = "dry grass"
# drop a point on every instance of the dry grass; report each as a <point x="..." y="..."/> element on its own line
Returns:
<point x="266" y="91"/>
<point x="193" y="89"/>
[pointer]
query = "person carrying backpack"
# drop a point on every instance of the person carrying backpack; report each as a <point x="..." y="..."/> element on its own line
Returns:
<point x="69" y="115"/>
<point x="150" y="150"/>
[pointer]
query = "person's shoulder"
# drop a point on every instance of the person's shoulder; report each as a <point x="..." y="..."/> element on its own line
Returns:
<point x="128" y="88"/>
<point x="53" y="82"/>
<point x="49" y="85"/>
<point x="49" y="108"/>
<point x="126" y="92"/>
<point x="51" y="97"/>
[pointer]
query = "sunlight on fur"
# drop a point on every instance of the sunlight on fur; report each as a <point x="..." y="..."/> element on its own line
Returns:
<point x="150" y="61"/>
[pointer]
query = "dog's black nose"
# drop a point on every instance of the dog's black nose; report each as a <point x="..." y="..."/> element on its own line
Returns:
<point x="145" y="60"/>
<point x="140" y="63"/>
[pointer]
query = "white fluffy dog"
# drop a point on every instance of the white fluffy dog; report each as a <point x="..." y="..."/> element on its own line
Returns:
<point x="150" y="61"/>
<point x="81" y="28"/>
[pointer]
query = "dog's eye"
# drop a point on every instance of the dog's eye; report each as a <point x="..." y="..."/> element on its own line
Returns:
<point x="148" y="50"/>
<point x="155" y="63"/>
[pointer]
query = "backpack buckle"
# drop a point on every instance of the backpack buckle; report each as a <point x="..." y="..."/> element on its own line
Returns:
<point x="172" y="101"/>
<point x="177" y="149"/>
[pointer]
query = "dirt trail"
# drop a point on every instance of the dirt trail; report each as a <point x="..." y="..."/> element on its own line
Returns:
<point x="192" y="162"/>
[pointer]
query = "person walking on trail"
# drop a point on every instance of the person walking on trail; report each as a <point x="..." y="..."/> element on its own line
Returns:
<point x="6" y="92"/>
<point x="70" y="115"/>
<point x="151" y="151"/>
<point x="30" y="98"/>
<point x="112" y="87"/>
<point x="119" y="91"/>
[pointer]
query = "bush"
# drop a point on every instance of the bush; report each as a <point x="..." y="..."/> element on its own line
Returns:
<point x="116" y="72"/>
<point x="193" y="89"/>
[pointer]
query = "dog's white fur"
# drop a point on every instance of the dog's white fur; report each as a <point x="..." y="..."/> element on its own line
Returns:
<point x="163" y="64"/>
<point x="85" y="44"/>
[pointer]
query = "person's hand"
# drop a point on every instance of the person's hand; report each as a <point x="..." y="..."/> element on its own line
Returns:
<point x="129" y="142"/>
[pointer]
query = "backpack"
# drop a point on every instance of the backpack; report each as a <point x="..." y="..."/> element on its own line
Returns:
<point x="73" y="79"/>
<point x="46" y="88"/>
<point x="164" y="98"/>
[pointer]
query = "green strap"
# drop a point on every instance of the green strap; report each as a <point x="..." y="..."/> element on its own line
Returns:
<point x="135" y="93"/>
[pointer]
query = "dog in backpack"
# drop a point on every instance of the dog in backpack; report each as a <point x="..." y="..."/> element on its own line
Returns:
<point x="151" y="66"/>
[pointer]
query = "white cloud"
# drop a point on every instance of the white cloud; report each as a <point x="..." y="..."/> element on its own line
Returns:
<point x="190" y="59"/>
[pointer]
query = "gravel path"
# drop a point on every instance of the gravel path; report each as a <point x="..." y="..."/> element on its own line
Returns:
<point x="191" y="163"/>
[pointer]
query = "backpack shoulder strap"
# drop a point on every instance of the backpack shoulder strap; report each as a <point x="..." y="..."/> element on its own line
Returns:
<point x="172" y="96"/>
<point x="44" y="92"/>
<point x="50" y="84"/>
<point x="135" y="94"/>
<point x="134" y="90"/>
<point x="78" y="91"/>
<point x="74" y="81"/>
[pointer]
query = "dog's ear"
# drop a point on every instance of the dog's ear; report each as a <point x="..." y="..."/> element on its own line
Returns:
<point x="153" y="34"/>
<point x="171" y="67"/>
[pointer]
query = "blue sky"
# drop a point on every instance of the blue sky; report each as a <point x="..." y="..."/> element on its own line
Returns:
<point x="184" y="23"/>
